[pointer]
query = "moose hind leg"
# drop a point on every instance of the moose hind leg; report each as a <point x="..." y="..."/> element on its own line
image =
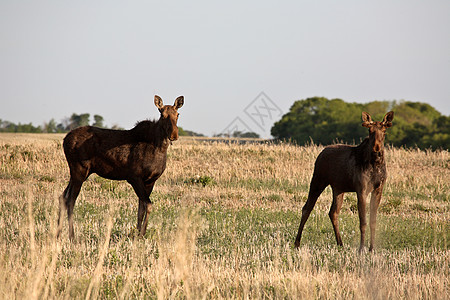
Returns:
<point x="338" y="198"/>
<point x="62" y="207"/>
<point x="67" y="203"/>
<point x="70" y="204"/>
<point x="315" y="190"/>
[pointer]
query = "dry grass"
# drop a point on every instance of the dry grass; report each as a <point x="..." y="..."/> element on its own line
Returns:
<point x="222" y="226"/>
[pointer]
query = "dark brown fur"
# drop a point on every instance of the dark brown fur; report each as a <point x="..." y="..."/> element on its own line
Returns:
<point x="137" y="155"/>
<point x="360" y="169"/>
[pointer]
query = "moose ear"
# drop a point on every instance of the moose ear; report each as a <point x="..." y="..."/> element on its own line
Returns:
<point x="367" y="119"/>
<point x="179" y="102"/>
<point x="387" y="121"/>
<point x="158" y="102"/>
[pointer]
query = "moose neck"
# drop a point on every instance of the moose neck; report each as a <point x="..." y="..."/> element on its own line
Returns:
<point x="162" y="133"/>
<point x="167" y="127"/>
<point x="367" y="156"/>
<point x="151" y="132"/>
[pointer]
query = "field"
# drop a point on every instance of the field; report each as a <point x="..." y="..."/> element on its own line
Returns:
<point x="223" y="224"/>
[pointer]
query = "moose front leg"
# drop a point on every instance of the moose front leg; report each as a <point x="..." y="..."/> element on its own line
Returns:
<point x="375" y="200"/>
<point x="147" y="207"/>
<point x="142" y="209"/>
<point x="143" y="192"/>
<point x="362" y="218"/>
<point x="144" y="202"/>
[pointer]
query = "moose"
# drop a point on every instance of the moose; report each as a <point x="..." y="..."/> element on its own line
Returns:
<point x="137" y="155"/>
<point x="360" y="169"/>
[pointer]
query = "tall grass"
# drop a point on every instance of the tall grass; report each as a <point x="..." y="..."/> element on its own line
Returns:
<point x="222" y="226"/>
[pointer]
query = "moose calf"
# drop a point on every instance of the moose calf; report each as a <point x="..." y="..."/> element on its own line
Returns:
<point x="360" y="169"/>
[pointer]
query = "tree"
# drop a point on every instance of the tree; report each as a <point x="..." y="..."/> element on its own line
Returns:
<point x="327" y="121"/>
<point x="98" y="121"/>
<point x="439" y="137"/>
<point x="5" y="126"/>
<point x="239" y="134"/>
<point x="50" y="127"/>
<point x="182" y="132"/>
<point x="78" y="121"/>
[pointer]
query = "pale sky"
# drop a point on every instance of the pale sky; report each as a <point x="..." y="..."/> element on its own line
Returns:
<point x="111" y="57"/>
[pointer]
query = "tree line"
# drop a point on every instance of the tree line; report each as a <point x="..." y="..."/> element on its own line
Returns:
<point x="67" y="124"/>
<point x="238" y="134"/>
<point x="52" y="126"/>
<point x="324" y="121"/>
<point x="317" y="119"/>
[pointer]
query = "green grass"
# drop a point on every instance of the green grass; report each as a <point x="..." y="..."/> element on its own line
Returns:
<point x="231" y="228"/>
<point x="259" y="238"/>
<point x="222" y="225"/>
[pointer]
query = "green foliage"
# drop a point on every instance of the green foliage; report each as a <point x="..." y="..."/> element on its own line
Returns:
<point x="239" y="134"/>
<point x="6" y="126"/>
<point x="78" y="121"/>
<point x="202" y="180"/>
<point x="98" y="121"/>
<point x="50" y="127"/>
<point x="327" y="121"/>
<point x="322" y="120"/>
<point x="182" y="132"/>
<point x="67" y="124"/>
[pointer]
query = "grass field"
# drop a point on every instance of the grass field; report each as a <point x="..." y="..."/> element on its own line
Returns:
<point x="223" y="224"/>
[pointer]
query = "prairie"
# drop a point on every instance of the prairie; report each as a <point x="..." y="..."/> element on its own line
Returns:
<point x="223" y="224"/>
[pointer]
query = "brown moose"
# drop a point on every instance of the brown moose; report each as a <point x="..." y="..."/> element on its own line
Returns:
<point x="360" y="169"/>
<point x="137" y="155"/>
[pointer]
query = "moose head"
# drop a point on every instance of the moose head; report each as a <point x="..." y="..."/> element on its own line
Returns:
<point x="377" y="130"/>
<point x="169" y="115"/>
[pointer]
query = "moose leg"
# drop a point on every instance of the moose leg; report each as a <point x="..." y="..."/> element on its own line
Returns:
<point x="78" y="174"/>
<point x="143" y="193"/>
<point x="67" y="202"/>
<point x="62" y="207"/>
<point x="362" y="218"/>
<point x="70" y="203"/>
<point x="143" y="214"/>
<point x="374" y="203"/>
<point x="338" y="198"/>
<point x="316" y="188"/>
<point x="148" y="190"/>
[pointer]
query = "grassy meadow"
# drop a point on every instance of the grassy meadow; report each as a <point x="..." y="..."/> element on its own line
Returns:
<point x="223" y="223"/>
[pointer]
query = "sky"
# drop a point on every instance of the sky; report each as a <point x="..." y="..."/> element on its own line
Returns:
<point x="239" y="65"/>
